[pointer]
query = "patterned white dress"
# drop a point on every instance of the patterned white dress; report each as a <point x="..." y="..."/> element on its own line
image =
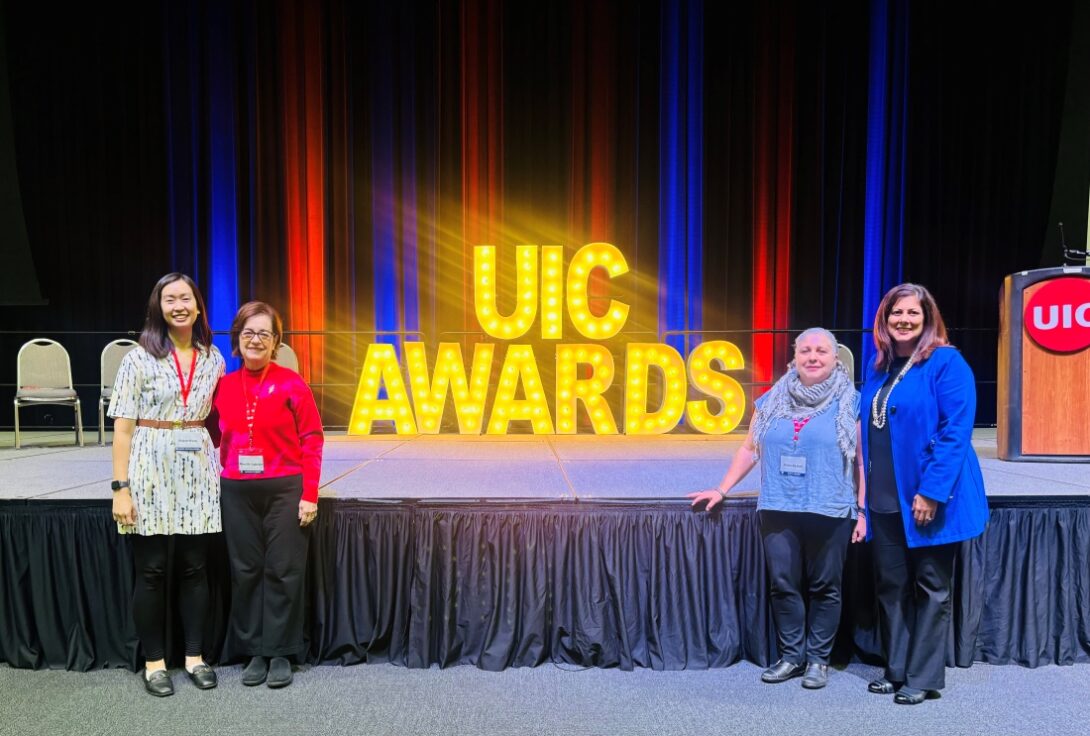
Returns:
<point x="173" y="492"/>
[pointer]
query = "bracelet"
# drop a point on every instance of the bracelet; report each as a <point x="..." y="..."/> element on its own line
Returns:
<point x="722" y="495"/>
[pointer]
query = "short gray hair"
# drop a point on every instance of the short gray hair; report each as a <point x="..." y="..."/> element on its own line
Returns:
<point x="817" y="331"/>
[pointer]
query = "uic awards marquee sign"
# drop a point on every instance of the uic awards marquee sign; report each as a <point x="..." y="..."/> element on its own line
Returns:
<point x="540" y="289"/>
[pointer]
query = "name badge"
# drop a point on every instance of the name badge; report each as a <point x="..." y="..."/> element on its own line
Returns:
<point x="793" y="464"/>
<point x="251" y="460"/>
<point x="188" y="440"/>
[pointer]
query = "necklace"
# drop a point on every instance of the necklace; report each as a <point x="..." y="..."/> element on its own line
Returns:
<point x="878" y="417"/>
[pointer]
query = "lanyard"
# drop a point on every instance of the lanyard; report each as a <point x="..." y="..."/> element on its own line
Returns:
<point x="186" y="385"/>
<point x="799" y="424"/>
<point x="251" y="406"/>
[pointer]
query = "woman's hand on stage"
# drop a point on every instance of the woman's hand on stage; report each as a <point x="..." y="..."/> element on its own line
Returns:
<point x="859" y="533"/>
<point x="308" y="512"/>
<point x="923" y="510"/>
<point x="712" y="498"/>
<point x="123" y="511"/>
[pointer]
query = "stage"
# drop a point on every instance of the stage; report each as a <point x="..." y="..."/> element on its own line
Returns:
<point x="521" y="550"/>
<point x="522" y="467"/>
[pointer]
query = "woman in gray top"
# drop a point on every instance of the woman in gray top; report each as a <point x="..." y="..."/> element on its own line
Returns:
<point x="805" y="431"/>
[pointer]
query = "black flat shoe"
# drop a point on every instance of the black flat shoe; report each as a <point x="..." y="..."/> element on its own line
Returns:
<point x="158" y="683"/>
<point x="782" y="672"/>
<point x="912" y="696"/>
<point x="255" y="672"/>
<point x="279" y="673"/>
<point x="816" y="677"/>
<point x="203" y="676"/>
<point x="882" y="686"/>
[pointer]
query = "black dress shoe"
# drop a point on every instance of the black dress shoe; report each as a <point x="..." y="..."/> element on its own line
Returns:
<point x="882" y="686"/>
<point x="782" y="672"/>
<point x="816" y="677"/>
<point x="279" y="672"/>
<point x="158" y="683"/>
<point x="913" y="696"/>
<point x="203" y="676"/>
<point x="255" y="672"/>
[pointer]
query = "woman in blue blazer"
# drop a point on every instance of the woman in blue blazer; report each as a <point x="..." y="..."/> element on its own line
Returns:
<point x="924" y="488"/>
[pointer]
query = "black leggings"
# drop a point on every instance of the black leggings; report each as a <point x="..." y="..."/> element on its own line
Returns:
<point x="149" y="601"/>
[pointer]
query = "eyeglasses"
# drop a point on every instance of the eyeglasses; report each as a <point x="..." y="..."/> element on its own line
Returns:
<point x="248" y="335"/>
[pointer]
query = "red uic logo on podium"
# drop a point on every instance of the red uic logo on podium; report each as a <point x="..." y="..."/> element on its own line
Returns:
<point x="1057" y="316"/>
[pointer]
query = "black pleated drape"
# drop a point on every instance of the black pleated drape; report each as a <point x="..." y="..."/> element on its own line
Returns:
<point x="502" y="585"/>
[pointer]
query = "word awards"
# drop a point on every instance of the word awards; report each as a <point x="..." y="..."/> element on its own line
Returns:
<point x="584" y="375"/>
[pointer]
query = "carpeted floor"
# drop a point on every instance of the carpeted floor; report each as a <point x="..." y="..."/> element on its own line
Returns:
<point x="383" y="699"/>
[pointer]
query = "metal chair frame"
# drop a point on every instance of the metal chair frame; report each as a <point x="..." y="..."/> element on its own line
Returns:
<point x="22" y="385"/>
<point x="108" y="374"/>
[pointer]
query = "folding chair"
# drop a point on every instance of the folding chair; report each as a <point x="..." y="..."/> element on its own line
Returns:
<point x="109" y="362"/>
<point x="286" y="357"/>
<point x="44" y="377"/>
<point x="844" y="354"/>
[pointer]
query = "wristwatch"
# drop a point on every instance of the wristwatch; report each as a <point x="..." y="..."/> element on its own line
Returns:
<point x="117" y="485"/>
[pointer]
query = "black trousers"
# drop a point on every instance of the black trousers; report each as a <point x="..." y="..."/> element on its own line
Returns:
<point x="151" y="556"/>
<point x="268" y="553"/>
<point x="805" y="558"/>
<point x="913" y="589"/>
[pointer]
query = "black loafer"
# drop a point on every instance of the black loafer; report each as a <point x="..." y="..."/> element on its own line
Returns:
<point x="782" y="672"/>
<point x="816" y="677"/>
<point x="912" y="696"/>
<point x="158" y="683"/>
<point x="203" y="676"/>
<point x="882" y="686"/>
<point x="279" y="673"/>
<point x="255" y="672"/>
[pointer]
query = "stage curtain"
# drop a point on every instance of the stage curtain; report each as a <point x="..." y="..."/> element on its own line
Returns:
<point x="360" y="566"/>
<point x="502" y="585"/>
<point x="1036" y="584"/>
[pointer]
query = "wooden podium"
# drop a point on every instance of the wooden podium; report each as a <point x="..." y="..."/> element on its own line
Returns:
<point x="1044" y="377"/>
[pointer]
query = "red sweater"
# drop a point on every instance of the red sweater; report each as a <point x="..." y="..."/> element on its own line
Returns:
<point x="287" y="428"/>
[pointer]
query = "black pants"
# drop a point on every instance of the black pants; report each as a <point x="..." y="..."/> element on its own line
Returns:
<point x="149" y="601"/>
<point x="913" y="589"/>
<point x="805" y="557"/>
<point x="268" y="553"/>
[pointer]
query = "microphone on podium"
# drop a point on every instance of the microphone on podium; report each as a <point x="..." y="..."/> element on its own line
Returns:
<point x="1071" y="255"/>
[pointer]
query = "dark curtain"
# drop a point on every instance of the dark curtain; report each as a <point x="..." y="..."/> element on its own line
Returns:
<point x="117" y="110"/>
<point x="593" y="584"/>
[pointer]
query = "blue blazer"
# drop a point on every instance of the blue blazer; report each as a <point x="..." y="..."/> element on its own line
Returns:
<point x="930" y="415"/>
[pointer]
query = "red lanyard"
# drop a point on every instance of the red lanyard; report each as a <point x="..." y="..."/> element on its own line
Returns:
<point x="251" y="406"/>
<point x="186" y="385"/>
<point x="799" y="424"/>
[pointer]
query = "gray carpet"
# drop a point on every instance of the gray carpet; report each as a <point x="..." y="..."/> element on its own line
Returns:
<point x="383" y="699"/>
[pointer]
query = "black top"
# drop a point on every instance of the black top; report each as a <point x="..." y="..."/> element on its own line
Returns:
<point x="882" y="497"/>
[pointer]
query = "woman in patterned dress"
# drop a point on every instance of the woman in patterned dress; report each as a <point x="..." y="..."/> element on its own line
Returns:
<point x="166" y="472"/>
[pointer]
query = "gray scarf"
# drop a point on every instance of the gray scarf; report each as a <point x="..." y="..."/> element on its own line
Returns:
<point x="790" y="399"/>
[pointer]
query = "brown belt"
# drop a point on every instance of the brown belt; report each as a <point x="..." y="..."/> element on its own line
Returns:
<point x="176" y="424"/>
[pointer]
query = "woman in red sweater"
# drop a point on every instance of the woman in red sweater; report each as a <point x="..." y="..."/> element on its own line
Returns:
<point x="271" y="452"/>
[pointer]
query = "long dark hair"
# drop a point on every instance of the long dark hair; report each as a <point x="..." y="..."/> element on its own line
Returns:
<point x="934" y="329"/>
<point x="155" y="338"/>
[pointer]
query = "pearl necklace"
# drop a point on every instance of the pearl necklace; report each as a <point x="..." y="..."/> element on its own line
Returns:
<point x="878" y="417"/>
